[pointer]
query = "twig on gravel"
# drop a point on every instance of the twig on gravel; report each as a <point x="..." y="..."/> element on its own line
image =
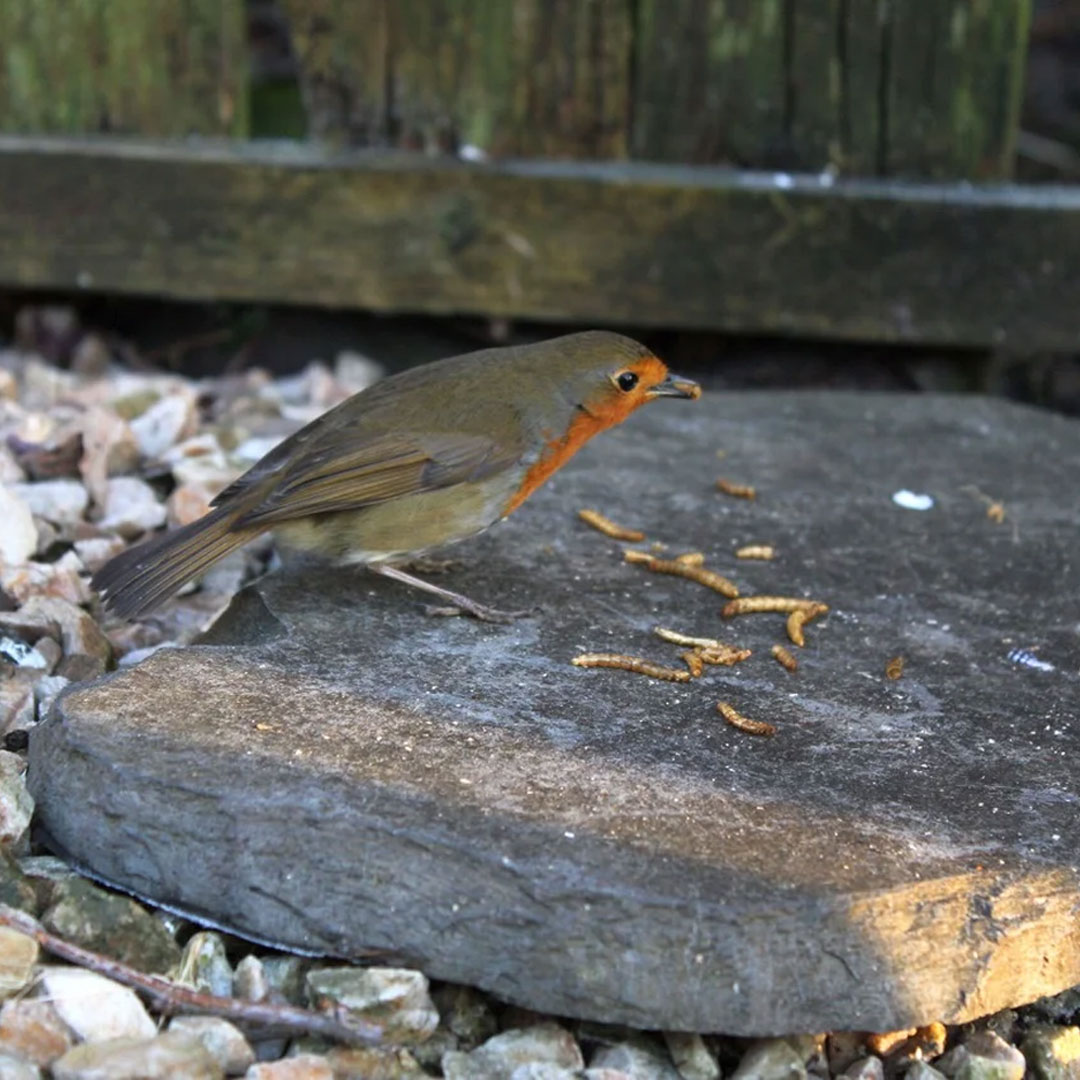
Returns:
<point x="169" y="997"/>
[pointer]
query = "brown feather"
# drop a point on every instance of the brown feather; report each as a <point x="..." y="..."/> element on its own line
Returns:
<point x="337" y="476"/>
<point x="142" y="577"/>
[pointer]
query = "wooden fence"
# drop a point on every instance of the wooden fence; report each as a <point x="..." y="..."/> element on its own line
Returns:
<point x="827" y="167"/>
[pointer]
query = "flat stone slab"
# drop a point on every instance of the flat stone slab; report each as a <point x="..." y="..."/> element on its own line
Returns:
<point x="335" y="771"/>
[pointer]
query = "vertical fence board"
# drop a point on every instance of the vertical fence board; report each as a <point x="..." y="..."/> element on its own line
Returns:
<point x="862" y="86"/>
<point x="343" y="49"/>
<point x="709" y="81"/>
<point x="956" y="74"/>
<point x="545" y="78"/>
<point x="169" y="68"/>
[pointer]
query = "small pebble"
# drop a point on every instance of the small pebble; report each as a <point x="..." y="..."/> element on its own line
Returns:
<point x="865" y="1068"/>
<point x="771" y="1059"/>
<point x="300" y="1067"/>
<point x="1052" y="1052"/>
<point x="163" y="1057"/>
<point x="33" y="1029"/>
<point x="166" y="422"/>
<point x="106" y="922"/>
<point x="13" y="1067"/>
<point x="96" y="1008"/>
<point x="18" y="533"/>
<point x="249" y="980"/>
<point x="396" y="998"/>
<point x="692" y="1058"/>
<point x="204" y="965"/>
<point x="223" y="1041"/>
<point x="499" y="1056"/>
<point x="18" y="955"/>
<point x="374" y="1063"/>
<point x="16" y="803"/>
<point x="636" y="1062"/>
<point x="131" y="507"/>
<point x="62" y="502"/>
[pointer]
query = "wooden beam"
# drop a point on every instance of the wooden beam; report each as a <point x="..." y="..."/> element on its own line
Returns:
<point x="171" y="67"/>
<point x="613" y="243"/>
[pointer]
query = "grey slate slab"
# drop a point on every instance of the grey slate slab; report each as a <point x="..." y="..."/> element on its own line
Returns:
<point x="336" y="771"/>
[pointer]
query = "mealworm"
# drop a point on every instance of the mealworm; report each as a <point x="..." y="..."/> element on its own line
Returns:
<point x="741" y="491"/>
<point x="756" y="551"/>
<point x="691" y="558"/>
<point x="685" y="639"/>
<point x="795" y="623"/>
<point x="709" y="578"/>
<point x="636" y="664"/>
<point x="749" y="605"/>
<point x="894" y="668"/>
<point x="608" y="527"/>
<point x="726" y="655"/>
<point x="694" y="663"/>
<point x="744" y="723"/>
<point x="785" y="658"/>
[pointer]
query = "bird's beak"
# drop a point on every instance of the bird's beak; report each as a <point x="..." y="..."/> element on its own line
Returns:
<point x="674" y="386"/>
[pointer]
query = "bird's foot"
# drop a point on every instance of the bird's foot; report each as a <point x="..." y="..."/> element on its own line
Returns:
<point x="458" y="604"/>
<point x="476" y="611"/>
<point x="433" y="566"/>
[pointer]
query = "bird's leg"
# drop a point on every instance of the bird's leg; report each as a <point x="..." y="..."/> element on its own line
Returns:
<point x="424" y="565"/>
<point x="462" y="603"/>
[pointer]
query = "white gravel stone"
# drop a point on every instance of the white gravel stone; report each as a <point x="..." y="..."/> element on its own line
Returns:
<point x="94" y="1007"/>
<point x="18" y="533"/>
<point x="165" y="1057"/>
<point x="163" y="424"/>
<point x="13" y="1067"/>
<point x="16" y="803"/>
<point x="63" y="502"/>
<point x="131" y="507"/>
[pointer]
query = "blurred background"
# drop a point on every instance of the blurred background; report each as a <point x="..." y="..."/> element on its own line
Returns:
<point x="858" y="193"/>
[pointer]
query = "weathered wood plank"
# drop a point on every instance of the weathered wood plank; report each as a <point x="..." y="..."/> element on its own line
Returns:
<point x="861" y="86"/>
<point x="512" y="77"/>
<point x="954" y="87"/>
<point x="617" y="243"/>
<point x="709" y="82"/>
<point x="173" y="67"/>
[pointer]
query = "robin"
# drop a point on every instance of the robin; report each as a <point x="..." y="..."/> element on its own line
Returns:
<point x="419" y="460"/>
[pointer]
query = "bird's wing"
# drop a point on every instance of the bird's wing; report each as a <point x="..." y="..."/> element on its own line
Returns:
<point x="340" y="474"/>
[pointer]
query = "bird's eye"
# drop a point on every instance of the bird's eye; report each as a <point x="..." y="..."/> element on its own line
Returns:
<point x="627" y="381"/>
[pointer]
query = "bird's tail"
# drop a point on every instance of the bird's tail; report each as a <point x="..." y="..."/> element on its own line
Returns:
<point x="139" y="579"/>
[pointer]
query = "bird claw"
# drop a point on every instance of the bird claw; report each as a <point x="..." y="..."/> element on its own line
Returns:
<point x="476" y="611"/>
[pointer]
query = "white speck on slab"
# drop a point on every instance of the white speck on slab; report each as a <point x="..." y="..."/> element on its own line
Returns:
<point x="911" y="500"/>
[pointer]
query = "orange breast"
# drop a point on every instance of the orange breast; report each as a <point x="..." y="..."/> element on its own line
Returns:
<point x="558" y="452"/>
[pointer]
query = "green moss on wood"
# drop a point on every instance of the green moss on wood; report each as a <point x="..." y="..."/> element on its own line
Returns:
<point x="171" y="67"/>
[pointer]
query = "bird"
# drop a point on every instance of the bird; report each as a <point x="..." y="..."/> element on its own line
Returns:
<point x="421" y="459"/>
